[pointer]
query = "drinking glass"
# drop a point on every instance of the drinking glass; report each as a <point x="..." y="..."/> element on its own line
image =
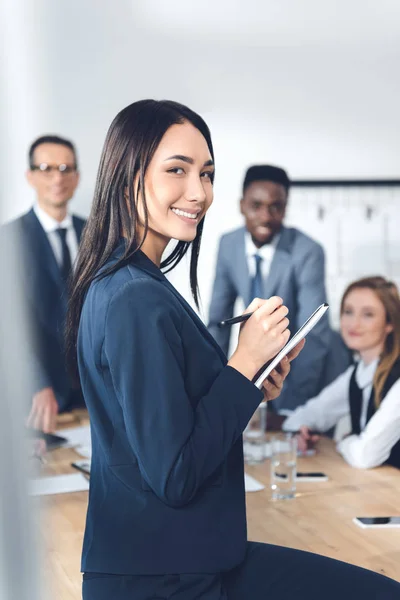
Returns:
<point x="254" y="436"/>
<point x="283" y="466"/>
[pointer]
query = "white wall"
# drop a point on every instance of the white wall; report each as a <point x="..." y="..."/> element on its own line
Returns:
<point x="307" y="85"/>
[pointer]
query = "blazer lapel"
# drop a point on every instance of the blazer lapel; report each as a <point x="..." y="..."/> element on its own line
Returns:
<point x="43" y="250"/>
<point x="145" y="264"/>
<point x="78" y="224"/>
<point x="203" y="329"/>
<point x="280" y="263"/>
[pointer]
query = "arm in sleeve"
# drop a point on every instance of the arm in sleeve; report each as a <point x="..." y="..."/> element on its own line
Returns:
<point x="222" y="300"/>
<point x="325" y="410"/>
<point x="178" y="441"/>
<point x="306" y="371"/>
<point x="373" y="446"/>
<point x="39" y="375"/>
<point x="16" y="297"/>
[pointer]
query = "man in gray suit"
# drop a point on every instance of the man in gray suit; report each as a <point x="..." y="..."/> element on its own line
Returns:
<point x="265" y="259"/>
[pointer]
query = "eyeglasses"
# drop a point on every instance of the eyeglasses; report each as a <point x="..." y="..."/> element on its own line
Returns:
<point x="47" y="169"/>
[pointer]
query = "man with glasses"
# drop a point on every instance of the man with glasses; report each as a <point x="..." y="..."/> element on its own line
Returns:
<point x="265" y="259"/>
<point x="48" y="237"/>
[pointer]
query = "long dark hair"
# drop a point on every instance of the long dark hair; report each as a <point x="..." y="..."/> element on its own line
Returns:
<point x="131" y="141"/>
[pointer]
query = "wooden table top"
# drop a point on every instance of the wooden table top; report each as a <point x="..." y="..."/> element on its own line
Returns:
<point x="318" y="519"/>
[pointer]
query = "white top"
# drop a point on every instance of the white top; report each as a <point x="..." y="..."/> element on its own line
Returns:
<point x="50" y="225"/>
<point x="266" y="252"/>
<point x="373" y="446"/>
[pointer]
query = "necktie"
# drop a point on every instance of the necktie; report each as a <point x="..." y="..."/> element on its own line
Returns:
<point x="256" y="290"/>
<point x="66" y="256"/>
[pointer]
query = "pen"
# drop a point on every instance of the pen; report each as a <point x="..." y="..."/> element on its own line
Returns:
<point x="239" y="319"/>
<point x="246" y="316"/>
<point x="234" y="320"/>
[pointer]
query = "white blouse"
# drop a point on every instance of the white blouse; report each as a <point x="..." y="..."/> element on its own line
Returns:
<point x="373" y="446"/>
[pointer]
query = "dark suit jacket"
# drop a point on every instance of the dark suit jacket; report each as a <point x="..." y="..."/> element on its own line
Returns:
<point x="297" y="275"/>
<point x="46" y="301"/>
<point x="167" y="414"/>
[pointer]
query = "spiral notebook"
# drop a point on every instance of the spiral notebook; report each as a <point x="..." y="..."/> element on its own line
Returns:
<point x="266" y="369"/>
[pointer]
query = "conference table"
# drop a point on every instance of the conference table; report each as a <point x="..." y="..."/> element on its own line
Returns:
<point x="318" y="519"/>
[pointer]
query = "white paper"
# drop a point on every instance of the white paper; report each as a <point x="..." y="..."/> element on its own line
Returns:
<point x="309" y="452"/>
<point x="251" y="484"/>
<point x="58" y="484"/>
<point x="77" y="436"/>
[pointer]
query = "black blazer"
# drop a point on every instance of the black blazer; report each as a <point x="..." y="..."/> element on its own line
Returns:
<point x="46" y="299"/>
<point x="167" y="414"/>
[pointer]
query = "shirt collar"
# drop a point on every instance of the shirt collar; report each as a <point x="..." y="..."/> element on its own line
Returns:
<point x="48" y="223"/>
<point x="365" y="373"/>
<point x="265" y="251"/>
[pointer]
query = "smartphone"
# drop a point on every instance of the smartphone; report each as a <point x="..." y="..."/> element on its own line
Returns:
<point x="52" y="440"/>
<point x="377" y="522"/>
<point x="82" y="465"/>
<point x="311" y="476"/>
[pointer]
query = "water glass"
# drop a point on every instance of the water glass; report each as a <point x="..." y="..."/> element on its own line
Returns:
<point x="283" y="466"/>
<point x="254" y="436"/>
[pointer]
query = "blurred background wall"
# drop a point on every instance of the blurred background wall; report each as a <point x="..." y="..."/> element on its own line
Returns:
<point x="311" y="86"/>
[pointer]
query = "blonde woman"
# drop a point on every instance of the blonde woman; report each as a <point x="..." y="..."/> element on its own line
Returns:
<point x="369" y="392"/>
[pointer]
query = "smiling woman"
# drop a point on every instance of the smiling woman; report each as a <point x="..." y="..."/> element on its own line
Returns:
<point x="166" y="515"/>
<point x="179" y="190"/>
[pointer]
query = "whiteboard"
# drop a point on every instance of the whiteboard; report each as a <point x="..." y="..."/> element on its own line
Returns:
<point x="358" y="225"/>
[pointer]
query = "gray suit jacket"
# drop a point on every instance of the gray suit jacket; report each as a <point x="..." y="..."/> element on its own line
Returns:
<point x="297" y="275"/>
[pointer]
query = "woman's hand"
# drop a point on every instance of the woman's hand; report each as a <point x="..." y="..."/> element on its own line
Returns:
<point x="306" y="441"/>
<point x="262" y="336"/>
<point x="273" y="384"/>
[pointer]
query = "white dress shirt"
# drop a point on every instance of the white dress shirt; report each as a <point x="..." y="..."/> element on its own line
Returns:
<point x="373" y="446"/>
<point x="50" y="225"/>
<point x="266" y="252"/>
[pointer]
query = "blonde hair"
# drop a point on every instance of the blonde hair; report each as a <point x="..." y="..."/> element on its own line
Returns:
<point x="387" y="292"/>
